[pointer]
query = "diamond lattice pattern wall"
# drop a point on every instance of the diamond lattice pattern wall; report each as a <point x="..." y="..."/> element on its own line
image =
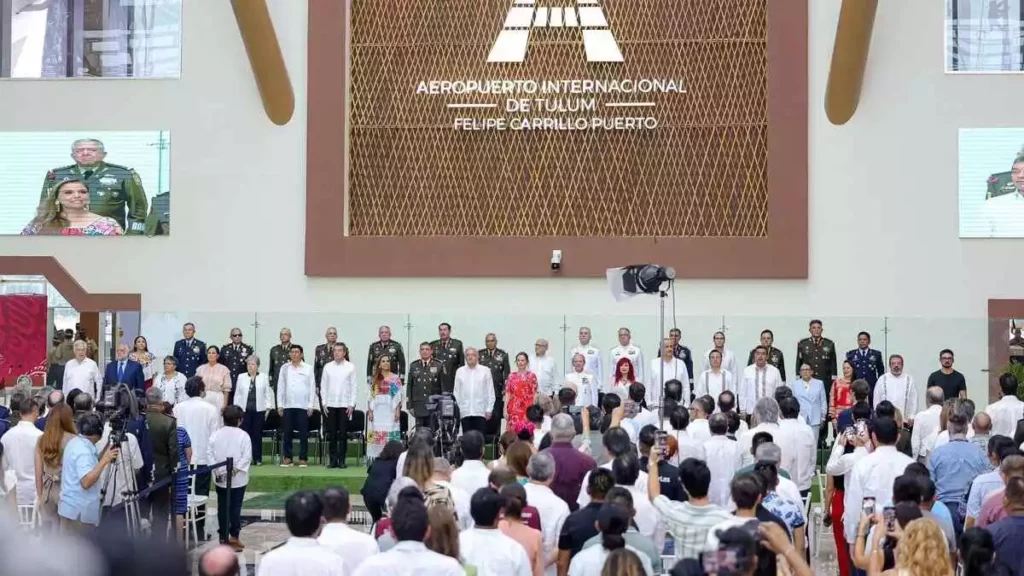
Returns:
<point x="701" y="173"/>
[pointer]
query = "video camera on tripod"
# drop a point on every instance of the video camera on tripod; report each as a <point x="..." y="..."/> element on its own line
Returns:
<point x="117" y="408"/>
<point x="443" y="421"/>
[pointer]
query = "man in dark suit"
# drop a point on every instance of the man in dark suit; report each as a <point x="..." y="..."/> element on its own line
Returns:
<point x="163" y="434"/>
<point x="190" y="352"/>
<point x="125" y="370"/>
<point x="867" y="362"/>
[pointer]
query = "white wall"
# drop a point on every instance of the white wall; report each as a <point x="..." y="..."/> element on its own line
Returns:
<point x="883" y="212"/>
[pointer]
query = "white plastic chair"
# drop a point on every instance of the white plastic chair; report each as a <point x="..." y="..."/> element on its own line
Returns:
<point x="28" y="517"/>
<point x="192" y="514"/>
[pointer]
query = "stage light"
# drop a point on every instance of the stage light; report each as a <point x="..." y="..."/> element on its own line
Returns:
<point x="637" y="279"/>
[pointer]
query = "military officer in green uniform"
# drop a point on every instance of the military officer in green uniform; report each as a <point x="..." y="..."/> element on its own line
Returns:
<point x="497" y="360"/>
<point x="385" y="345"/>
<point x="233" y="355"/>
<point x="775" y="357"/>
<point x="448" y="351"/>
<point x="424" y="381"/>
<point x="113" y="189"/>
<point x="158" y="223"/>
<point x="279" y="357"/>
<point x="820" y="354"/>
<point x="324" y="353"/>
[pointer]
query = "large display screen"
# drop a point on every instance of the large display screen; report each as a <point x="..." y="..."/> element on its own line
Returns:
<point x="90" y="38"/>
<point x="85" y="183"/>
<point x="992" y="183"/>
<point x="984" y="36"/>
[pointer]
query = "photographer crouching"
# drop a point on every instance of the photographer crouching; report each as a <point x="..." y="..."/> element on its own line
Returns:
<point x="81" y="468"/>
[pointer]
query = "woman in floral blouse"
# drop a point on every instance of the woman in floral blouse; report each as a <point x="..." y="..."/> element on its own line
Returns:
<point x="65" y="212"/>
<point x="520" y="392"/>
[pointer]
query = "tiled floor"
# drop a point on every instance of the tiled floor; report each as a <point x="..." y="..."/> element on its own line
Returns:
<point x="264" y="530"/>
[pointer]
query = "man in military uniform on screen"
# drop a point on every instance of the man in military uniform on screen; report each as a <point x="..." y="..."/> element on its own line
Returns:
<point x="158" y="223"/>
<point x="424" y="381"/>
<point x="448" y="352"/>
<point x="496" y="360"/>
<point x="385" y="345"/>
<point x="114" y="191"/>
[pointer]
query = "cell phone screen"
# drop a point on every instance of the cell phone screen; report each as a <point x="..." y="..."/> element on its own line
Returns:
<point x="862" y="428"/>
<point x="889" y="515"/>
<point x="661" y="442"/>
<point x="867" y="508"/>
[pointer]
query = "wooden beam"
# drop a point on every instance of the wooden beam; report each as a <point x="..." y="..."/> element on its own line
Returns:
<point x="849" y="59"/>
<point x="268" y="67"/>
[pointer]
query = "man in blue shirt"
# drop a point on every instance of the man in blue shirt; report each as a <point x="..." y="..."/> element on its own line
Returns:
<point x="999" y="448"/>
<point x="79" y="507"/>
<point x="953" y="466"/>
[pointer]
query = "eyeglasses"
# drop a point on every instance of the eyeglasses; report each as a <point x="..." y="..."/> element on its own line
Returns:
<point x="946" y="358"/>
<point x="236" y="335"/>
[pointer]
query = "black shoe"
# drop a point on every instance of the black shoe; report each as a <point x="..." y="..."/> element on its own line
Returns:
<point x="342" y="464"/>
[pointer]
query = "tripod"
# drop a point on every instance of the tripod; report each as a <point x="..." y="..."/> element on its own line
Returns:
<point x="121" y="471"/>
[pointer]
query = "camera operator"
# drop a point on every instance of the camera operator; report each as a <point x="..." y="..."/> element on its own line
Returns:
<point x="81" y="468"/>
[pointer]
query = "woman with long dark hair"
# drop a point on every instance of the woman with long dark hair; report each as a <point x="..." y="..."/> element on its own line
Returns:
<point x="141" y="354"/>
<point x="59" y="430"/>
<point x="379" y="476"/>
<point x="65" y="212"/>
<point x="513" y="526"/>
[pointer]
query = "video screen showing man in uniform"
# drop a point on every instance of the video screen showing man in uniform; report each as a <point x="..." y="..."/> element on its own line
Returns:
<point x="992" y="183"/>
<point x="116" y="184"/>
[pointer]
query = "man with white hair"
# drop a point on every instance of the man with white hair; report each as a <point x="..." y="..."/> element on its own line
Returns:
<point x="474" y="392"/>
<point x="626" y="349"/>
<point x="552" y="509"/>
<point x="899" y="388"/>
<point x="543" y="365"/>
<point x="81" y="373"/>
<point x="664" y="368"/>
<point x="591" y="354"/>
<point x="573" y="465"/>
<point x="766" y="415"/>
<point x="586" y="383"/>
<point x="926" y="422"/>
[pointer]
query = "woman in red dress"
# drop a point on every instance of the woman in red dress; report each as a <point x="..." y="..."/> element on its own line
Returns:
<point x="622" y="379"/>
<point x="842" y="392"/>
<point x="520" y="392"/>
